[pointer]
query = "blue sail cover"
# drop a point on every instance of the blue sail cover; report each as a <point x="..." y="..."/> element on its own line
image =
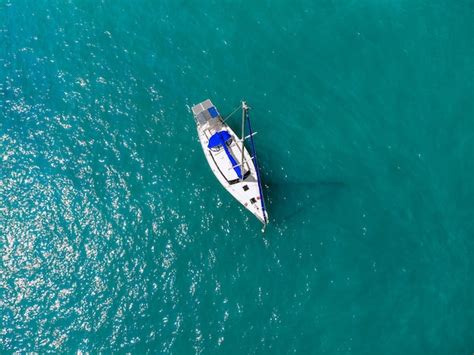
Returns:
<point x="219" y="139"/>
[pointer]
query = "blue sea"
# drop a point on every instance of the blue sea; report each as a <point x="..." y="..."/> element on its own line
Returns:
<point x="115" y="235"/>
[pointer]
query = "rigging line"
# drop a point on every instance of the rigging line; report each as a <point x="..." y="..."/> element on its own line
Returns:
<point x="237" y="108"/>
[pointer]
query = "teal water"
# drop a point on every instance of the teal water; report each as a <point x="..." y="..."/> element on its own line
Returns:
<point x="115" y="236"/>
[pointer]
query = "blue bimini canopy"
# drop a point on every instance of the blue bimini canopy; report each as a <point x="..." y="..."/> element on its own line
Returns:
<point x="220" y="139"/>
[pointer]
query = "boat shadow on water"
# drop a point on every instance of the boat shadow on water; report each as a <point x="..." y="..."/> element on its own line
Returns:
<point x="300" y="201"/>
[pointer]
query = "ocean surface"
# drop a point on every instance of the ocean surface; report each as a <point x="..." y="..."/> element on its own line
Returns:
<point x="115" y="235"/>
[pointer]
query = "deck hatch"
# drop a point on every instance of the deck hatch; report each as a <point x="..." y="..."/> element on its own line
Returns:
<point x="213" y="112"/>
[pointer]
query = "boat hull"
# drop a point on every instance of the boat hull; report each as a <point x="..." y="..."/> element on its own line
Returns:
<point x="245" y="188"/>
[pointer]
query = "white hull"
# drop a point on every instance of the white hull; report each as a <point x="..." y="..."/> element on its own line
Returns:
<point x="245" y="190"/>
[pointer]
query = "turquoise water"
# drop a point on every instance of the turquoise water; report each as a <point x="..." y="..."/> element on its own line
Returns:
<point x="115" y="235"/>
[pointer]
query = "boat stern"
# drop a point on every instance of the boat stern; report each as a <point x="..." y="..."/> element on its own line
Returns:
<point x="205" y="112"/>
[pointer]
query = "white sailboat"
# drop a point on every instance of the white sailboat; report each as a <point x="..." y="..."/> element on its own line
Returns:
<point x="235" y="168"/>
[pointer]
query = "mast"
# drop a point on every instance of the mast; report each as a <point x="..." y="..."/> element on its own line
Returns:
<point x="244" y="111"/>
<point x="255" y="163"/>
